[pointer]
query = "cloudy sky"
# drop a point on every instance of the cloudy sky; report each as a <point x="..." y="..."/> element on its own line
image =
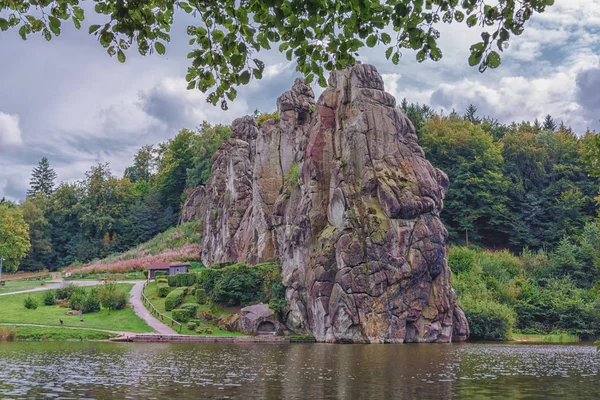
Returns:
<point x="69" y="101"/>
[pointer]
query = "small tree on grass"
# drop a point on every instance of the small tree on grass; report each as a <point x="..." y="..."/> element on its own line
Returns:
<point x="30" y="303"/>
<point x="111" y="297"/>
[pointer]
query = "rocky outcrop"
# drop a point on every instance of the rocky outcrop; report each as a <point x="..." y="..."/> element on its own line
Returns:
<point x="340" y="193"/>
<point x="259" y="319"/>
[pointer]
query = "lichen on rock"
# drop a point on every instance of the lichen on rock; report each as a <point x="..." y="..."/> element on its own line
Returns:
<point x="357" y="231"/>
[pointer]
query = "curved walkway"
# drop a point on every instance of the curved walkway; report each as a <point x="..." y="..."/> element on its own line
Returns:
<point x="143" y="313"/>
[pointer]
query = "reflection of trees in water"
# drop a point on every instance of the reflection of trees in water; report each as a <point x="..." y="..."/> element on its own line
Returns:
<point x="298" y="371"/>
<point x="325" y="371"/>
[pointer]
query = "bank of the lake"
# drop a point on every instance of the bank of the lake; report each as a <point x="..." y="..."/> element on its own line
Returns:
<point x="298" y="371"/>
<point x="20" y="333"/>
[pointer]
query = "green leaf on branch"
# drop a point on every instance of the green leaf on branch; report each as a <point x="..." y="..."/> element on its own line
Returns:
<point x="493" y="60"/>
<point x="372" y="40"/>
<point x="121" y="56"/>
<point x="159" y="47"/>
<point x="245" y="77"/>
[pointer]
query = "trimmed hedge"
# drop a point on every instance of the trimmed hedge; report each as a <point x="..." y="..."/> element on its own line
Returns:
<point x="192" y="307"/>
<point x="175" y="298"/>
<point x="186" y="279"/>
<point x="162" y="280"/>
<point x="163" y="289"/>
<point x="191" y="326"/>
<point x="181" y="315"/>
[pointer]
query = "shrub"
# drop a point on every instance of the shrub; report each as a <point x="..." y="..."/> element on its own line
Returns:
<point x="160" y="274"/>
<point x="461" y="259"/>
<point x="191" y="326"/>
<point x="489" y="320"/>
<point x="30" y="303"/>
<point x="91" y="303"/>
<point x="162" y="280"/>
<point x="192" y="307"/>
<point x="181" y="315"/>
<point x="265" y="117"/>
<point x="501" y="265"/>
<point x="179" y="280"/>
<point x="293" y="174"/>
<point x="241" y="284"/>
<point x="163" y="289"/>
<point x="68" y="291"/>
<point x="175" y="298"/>
<point x="200" y="295"/>
<point x="77" y="300"/>
<point x="49" y="297"/>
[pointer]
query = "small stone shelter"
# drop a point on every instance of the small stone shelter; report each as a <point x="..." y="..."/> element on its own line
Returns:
<point x="171" y="268"/>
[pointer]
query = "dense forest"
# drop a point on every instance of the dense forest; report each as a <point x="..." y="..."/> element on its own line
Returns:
<point x="74" y="223"/>
<point x="521" y="215"/>
<point x="520" y="211"/>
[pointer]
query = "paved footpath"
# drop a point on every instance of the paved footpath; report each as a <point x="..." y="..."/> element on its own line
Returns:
<point x="143" y="313"/>
<point x="135" y="299"/>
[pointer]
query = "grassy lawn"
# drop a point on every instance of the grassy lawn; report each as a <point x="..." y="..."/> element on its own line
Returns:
<point x="16" y="286"/>
<point x="14" y="312"/>
<point x="82" y="276"/>
<point x="151" y="293"/>
<point x="39" y="334"/>
<point x="549" y="338"/>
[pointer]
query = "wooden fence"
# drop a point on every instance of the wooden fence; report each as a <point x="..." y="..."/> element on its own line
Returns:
<point x="157" y="313"/>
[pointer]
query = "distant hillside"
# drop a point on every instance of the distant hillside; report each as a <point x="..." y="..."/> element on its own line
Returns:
<point x="180" y="243"/>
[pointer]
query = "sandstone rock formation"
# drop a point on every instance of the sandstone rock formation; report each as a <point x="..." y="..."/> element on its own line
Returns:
<point x="259" y="319"/>
<point x="340" y="193"/>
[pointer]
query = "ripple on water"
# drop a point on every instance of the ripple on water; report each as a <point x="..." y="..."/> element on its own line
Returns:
<point x="100" y="370"/>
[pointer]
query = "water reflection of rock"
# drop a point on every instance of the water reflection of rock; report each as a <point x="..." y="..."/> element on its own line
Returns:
<point x="298" y="371"/>
<point x="326" y="371"/>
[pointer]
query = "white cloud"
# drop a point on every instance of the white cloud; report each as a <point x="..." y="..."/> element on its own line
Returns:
<point x="172" y="103"/>
<point x="10" y="131"/>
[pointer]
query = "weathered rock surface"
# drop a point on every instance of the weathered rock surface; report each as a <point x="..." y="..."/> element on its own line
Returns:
<point x="259" y="319"/>
<point x="340" y="193"/>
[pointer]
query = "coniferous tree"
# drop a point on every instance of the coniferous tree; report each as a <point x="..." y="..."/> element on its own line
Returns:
<point x="470" y="114"/>
<point x="42" y="179"/>
<point x="549" y="123"/>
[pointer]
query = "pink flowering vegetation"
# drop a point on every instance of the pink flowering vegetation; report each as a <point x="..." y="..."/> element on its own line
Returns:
<point x="181" y="243"/>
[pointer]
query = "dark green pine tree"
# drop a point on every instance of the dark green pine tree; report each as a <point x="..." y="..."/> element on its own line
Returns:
<point x="42" y="179"/>
<point x="470" y="114"/>
<point x="549" y="123"/>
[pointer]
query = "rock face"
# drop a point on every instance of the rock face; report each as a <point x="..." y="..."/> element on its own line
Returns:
<point x="259" y="319"/>
<point x="340" y="193"/>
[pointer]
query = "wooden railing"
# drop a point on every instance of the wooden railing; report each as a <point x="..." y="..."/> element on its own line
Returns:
<point x="154" y="311"/>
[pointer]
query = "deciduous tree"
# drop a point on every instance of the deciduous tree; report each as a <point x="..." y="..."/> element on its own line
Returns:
<point x="319" y="35"/>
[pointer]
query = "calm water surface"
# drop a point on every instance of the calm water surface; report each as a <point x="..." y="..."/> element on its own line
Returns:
<point x="297" y="371"/>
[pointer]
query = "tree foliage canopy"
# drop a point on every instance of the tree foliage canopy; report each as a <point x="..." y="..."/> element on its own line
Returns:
<point x="319" y="35"/>
<point x="42" y="179"/>
<point x="14" y="236"/>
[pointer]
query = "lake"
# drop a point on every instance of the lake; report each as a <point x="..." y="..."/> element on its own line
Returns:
<point x="297" y="371"/>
